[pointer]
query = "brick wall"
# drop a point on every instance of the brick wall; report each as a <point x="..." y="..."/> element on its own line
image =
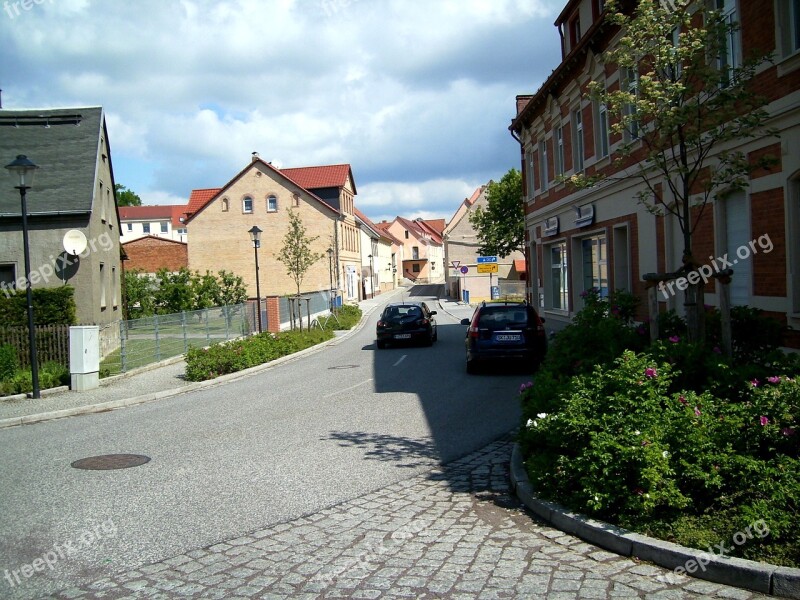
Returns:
<point x="768" y="218"/>
<point x="152" y="253"/>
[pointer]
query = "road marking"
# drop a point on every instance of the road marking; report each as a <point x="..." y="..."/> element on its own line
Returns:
<point x="352" y="387"/>
<point x="401" y="359"/>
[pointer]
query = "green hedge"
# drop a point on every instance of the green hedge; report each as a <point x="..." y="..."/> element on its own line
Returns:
<point x="51" y="374"/>
<point x="224" y="358"/>
<point x="51" y="306"/>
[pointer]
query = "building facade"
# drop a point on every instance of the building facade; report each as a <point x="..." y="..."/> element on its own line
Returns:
<point x="601" y="237"/>
<point x="158" y="220"/>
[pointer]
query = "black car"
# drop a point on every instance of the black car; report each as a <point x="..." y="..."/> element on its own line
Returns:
<point x="405" y="322"/>
<point x="505" y="332"/>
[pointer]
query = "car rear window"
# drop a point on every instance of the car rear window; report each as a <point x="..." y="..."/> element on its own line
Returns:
<point x="503" y="317"/>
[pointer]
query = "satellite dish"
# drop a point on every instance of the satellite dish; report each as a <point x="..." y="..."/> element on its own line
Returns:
<point x="74" y="242"/>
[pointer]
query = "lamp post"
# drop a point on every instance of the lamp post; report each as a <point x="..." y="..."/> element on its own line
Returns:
<point x="371" y="275"/>
<point x="330" y="274"/>
<point x="255" y="237"/>
<point x="25" y="169"/>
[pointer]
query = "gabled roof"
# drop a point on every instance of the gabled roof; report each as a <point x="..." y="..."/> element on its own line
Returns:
<point x="199" y="199"/>
<point x="383" y="226"/>
<point x="173" y="212"/>
<point x="420" y="229"/>
<point x="153" y="237"/>
<point x="64" y="143"/>
<point x="326" y="176"/>
<point x="464" y="207"/>
<point x="370" y="225"/>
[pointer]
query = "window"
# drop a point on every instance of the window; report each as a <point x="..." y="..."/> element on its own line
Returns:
<point x="529" y="174"/>
<point x="224" y="205"/>
<point x="415" y="253"/>
<point x="789" y="23"/>
<point x="729" y="54"/>
<point x="102" y="199"/>
<point x="631" y="83"/>
<point x="737" y="235"/>
<point x="558" y="278"/>
<point x="406" y="233"/>
<point x="543" y="164"/>
<point x="272" y="204"/>
<point x="602" y="130"/>
<point x="102" y="285"/>
<point x="247" y="204"/>
<point x="415" y="268"/>
<point x="130" y="226"/>
<point x="559" y="137"/>
<point x="577" y="146"/>
<point x="575" y="30"/>
<point x="595" y="264"/>
<point x="182" y="230"/>
<point x="145" y="227"/>
<point x="164" y="227"/>
<point x="8" y="278"/>
<point x="114" y="286"/>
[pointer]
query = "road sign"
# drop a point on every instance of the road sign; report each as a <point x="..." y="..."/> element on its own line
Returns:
<point x="455" y="263"/>
<point x="487" y="259"/>
<point x="465" y="270"/>
<point x="490" y="268"/>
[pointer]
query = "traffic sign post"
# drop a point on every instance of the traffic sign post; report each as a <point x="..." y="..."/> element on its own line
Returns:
<point x="488" y="268"/>
<point x="487" y="259"/>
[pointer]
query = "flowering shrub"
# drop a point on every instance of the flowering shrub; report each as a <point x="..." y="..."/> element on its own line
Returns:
<point x="624" y="444"/>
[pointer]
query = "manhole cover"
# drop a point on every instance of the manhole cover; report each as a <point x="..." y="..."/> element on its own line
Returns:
<point x="343" y="367"/>
<point x="107" y="462"/>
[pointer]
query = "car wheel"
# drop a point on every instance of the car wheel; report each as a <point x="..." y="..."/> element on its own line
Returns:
<point x="429" y="341"/>
<point x="436" y="335"/>
<point x="472" y="368"/>
<point x="381" y="345"/>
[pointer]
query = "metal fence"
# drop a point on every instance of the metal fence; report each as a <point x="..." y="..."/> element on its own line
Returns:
<point x="151" y="339"/>
<point x="52" y="343"/>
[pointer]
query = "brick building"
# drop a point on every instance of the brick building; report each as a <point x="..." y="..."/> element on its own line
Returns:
<point x="601" y="237"/>
<point x="152" y="253"/>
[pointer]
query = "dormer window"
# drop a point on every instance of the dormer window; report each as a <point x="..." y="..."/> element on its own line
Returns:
<point x="575" y="30"/>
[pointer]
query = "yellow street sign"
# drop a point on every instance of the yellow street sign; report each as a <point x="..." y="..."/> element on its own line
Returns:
<point x="487" y="268"/>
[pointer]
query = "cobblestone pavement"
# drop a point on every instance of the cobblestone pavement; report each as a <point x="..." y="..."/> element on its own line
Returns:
<point x="456" y="532"/>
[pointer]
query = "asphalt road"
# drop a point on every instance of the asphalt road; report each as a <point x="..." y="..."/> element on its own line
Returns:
<point x="308" y="434"/>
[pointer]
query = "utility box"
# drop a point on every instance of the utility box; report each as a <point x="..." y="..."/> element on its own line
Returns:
<point x="84" y="357"/>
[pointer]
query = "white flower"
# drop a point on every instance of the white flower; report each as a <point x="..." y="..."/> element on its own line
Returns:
<point x="665" y="454"/>
<point x="647" y="495"/>
<point x="596" y="498"/>
<point x="535" y="423"/>
<point x="637" y="432"/>
<point x="528" y="424"/>
<point x="542" y="415"/>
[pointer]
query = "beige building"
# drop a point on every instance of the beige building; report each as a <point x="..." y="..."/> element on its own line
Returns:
<point x="461" y="247"/>
<point x="261" y="195"/>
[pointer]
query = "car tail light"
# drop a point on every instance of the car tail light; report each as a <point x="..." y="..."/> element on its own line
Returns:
<point x="381" y="324"/>
<point x="539" y="326"/>
<point x="473" y="329"/>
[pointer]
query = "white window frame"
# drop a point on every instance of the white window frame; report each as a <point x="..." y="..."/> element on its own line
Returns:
<point x="560" y="293"/>
<point x="602" y="141"/>
<point x="272" y="199"/>
<point x="529" y="174"/>
<point x="578" y="146"/>
<point x="558" y="139"/>
<point x="164" y="227"/>
<point x="543" y="165"/>
<point x="245" y="209"/>
<point x="788" y="18"/>
<point x="146" y="228"/>
<point x="630" y="78"/>
<point x="733" y="43"/>
<point x="600" y="240"/>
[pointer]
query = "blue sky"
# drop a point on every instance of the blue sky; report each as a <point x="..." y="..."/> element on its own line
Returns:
<point x="416" y="95"/>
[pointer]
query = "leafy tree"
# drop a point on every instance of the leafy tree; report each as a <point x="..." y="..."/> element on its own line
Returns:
<point x="296" y="254"/>
<point x="139" y="289"/>
<point x="501" y="225"/>
<point x="679" y="105"/>
<point x="126" y="197"/>
<point x="231" y="289"/>
<point x="173" y="291"/>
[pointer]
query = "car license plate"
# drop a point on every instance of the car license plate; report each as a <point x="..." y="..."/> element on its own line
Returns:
<point x="508" y="337"/>
<point x="402" y="336"/>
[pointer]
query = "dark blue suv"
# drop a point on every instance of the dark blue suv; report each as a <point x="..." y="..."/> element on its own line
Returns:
<point x="505" y="332"/>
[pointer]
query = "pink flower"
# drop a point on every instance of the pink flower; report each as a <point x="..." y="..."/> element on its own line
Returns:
<point x="525" y="386"/>
<point x="697" y="411"/>
<point x="774" y="379"/>
<point x="682" y="400"/>
<point x="787" y="432"/>
<point x="755" y="383"/>
<point x="717" y="350"/>
<point x="674" y="339"/>
<point x="763" y="420"/>
<point x="650" y="372"/>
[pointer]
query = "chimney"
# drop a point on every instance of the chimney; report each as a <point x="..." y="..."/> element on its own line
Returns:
<point x="254" y="156"/>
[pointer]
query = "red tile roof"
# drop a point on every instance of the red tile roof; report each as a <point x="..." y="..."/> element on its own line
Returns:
<point x="327" y="176"/>
<point x="199" y="198"/>
<point x="420" y="228"/>
<point x="519" y="265"/>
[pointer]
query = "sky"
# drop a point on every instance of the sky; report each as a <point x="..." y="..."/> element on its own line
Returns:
<point x="416" y="95"/>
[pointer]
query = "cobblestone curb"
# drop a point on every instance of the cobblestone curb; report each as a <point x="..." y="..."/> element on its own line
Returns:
<point x="747" y="574"/>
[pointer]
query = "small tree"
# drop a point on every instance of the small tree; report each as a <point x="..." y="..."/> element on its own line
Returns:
<point x="296" y="254"/>
<point x="678" y="105"/>
<point x="126" y="197"/>
<point x="501" y="225"/>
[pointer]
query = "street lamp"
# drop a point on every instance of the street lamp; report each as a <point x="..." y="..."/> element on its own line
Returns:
<point x="330" y="274"/>
<point x="25" y="169"/>
<point x="255" y="237"/>
<point x="371" y="275"/>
